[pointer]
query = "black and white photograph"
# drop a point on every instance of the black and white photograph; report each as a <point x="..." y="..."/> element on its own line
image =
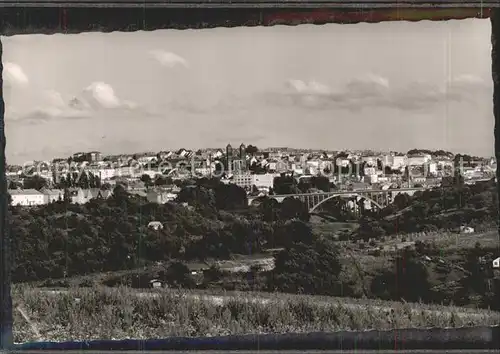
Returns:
<point x="251" y="180"/>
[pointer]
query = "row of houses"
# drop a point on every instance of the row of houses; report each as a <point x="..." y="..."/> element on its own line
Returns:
<point x="31" y="197"/>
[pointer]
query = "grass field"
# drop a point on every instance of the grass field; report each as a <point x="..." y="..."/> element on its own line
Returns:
<point x="119" y="313"/>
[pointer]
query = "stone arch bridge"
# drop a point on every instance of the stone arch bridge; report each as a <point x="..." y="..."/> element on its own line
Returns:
<point x="378" y="198"/>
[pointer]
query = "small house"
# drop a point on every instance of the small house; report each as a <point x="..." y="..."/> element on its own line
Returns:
<point x="155" y="283"/>
<point x="466" y="230"/>
<point x="496" y="263"/>
<point x="155" y="225"/>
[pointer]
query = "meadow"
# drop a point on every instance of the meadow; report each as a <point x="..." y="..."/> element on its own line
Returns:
<point x="121" y="313"/>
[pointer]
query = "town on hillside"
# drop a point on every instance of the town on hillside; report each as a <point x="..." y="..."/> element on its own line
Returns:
<point x="156" y="176"/>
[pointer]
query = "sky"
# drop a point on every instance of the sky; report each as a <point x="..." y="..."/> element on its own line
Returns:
<point x="386" y="86"/>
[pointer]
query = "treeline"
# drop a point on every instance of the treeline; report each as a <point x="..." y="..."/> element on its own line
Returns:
<point x="423" y="274"/>
<point x="433" y="210"/>
<point x="430" y="152"/>
<point x="62" y="239"/>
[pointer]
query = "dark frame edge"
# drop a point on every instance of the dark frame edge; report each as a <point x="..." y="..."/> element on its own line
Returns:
<point x="290" y="16"/>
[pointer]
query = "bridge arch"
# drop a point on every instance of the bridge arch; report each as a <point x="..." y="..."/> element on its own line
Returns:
<point x="350" y="195"/>
<point x="258" y="201"/>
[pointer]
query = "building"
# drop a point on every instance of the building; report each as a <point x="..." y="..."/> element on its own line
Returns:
<point x="93" y="193"/>
<point x="26" y="197"/>
<point x="369" y="160"/>
<point x="155" y="225"/>
<point x="370" y="171"/>
<point x="399" y="162"/>
<point x="107" y="173"/>
<point x="263" y="181"/>
<point x="242" y="151"/>
<point x="418" y="160"/>
<point x="77" y="196"/>
<point x="94" y="156"/>
<point x="52" y="195"/>
<point x="160" y="196"/>
<point x="243" y="180"/>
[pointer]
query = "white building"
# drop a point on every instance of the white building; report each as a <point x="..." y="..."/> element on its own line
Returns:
<point x="160" y="197"/>
<point x="343" y="162"/>
<point x="52" y="195"/>
<point x="370" y="171"/>
<point x="243" y="180"/>
<point x="261" y="181"/>
<point x="418" y="160"/>
<point x="399" y="162"/>
<point x="147" y="159"/>
<point x="264" y="181"/>
<point x="26" y="197"/>
<point x="370" y="160"/>
<point x="432" y="168"/>
<point x="107" y="173"/>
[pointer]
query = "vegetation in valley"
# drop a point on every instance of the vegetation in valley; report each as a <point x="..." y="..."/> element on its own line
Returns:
<point x="211" y="221"/>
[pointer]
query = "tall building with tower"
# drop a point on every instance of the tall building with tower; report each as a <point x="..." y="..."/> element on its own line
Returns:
<point x="242" y="151"/>
<point x="243" y="157"/>
<point x="229" y="158"/>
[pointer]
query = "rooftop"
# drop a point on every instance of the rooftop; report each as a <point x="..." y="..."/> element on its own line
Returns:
<point x="24" y="192"/>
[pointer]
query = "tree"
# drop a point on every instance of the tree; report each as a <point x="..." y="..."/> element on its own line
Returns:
<point x="455" y="180"/>
<point x="162" y="181"/>
<point x="179" y="275"/>
<point x="269" y="208"/>
<point x="293" y="208"/>
<point x="320" y="182"/>
<point x="251" y="150"/>
<point x="230" y="196"/>
<point x="212" y="274"/>
<point x="197" y="196"/>
<point x="66" y="196"/>
<point x="402" y="200"/>
<point x="295" y="232"/>
<point x="120" y="193"/>
<point x="146" y="179"/>
<point x="285" y="185"/>
<point x="369" y="228"/>
<point x="35" y="182"/>
<point x="408" y="280"/>
<point x="310" y="267"/>
<point x="479" y="278"/>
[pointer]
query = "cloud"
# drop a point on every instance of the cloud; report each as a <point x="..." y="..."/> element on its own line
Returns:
<point x="376" y="91"/>
<point x="13" y="74"/>
<point x="168" y="59"/>
<point x="44" y="115"/>
<point x="100" y="95"/>
<point x="54" y="98"/>
<point x="96" y="97"/>
<point x="309" y="88"/>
